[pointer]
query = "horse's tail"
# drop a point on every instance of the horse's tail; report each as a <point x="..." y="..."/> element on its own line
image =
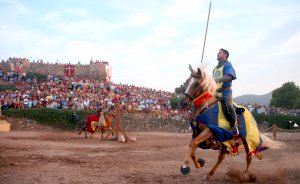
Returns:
<point x="267" y="142"/>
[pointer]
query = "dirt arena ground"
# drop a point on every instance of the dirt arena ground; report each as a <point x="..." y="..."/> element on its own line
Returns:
<point x="156" y="157"/>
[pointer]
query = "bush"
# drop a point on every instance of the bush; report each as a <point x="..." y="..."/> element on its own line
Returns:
<point x="280" y="120"/>
<point x="57" y="118"/>
<point x="9" y="87"/>
<point x="62" y="118"/>
<point x="39" y="77"/>
<point x="177" y="102"/>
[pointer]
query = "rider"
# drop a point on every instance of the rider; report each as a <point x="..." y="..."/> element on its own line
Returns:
<point x="224" y="74"/>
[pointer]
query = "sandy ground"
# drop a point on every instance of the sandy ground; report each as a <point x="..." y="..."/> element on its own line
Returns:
<point x="156" y="157"/>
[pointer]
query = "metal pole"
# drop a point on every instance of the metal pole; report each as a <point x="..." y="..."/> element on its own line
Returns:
<point x="206" y="31"/>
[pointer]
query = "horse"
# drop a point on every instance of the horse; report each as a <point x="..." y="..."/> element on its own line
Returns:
<point x="103" y="123"/>
<point x="211" y="130"/>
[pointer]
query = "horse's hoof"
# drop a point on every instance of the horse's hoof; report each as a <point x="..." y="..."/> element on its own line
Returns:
<point x="185" y="170"/>
<point x="201" y="162"/>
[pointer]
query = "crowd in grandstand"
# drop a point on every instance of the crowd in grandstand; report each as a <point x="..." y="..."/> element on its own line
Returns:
<point x="267" y="110"/>
<point x="85" y="94"/>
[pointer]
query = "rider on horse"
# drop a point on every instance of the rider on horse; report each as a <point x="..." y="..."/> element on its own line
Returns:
<point x="224" y="74"/>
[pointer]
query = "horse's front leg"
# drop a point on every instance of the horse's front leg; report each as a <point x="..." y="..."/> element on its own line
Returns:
<point x="221" y="157"/>
<point x="205" y="134"/>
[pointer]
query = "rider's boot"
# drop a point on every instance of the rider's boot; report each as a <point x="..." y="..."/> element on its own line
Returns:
<point x="235" y="131"/>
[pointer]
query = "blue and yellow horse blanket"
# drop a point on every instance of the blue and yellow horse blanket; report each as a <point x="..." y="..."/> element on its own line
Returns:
<point x="215" y="119"/>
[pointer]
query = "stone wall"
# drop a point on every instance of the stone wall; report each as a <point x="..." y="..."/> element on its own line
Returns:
<point x="130" y="122"/>
<point x="94" y="70"/>
<point x="148" y="122"/>
<point x="97" y="70"/>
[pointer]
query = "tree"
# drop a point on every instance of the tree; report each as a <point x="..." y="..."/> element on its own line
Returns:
<point x="39" y="77"/>
<point x="287" y="96"/>
<point x="175" y="102"/>
<point x="178" y="102"/>
<point x="180" y="89"/>
<point x="10" y="87"/>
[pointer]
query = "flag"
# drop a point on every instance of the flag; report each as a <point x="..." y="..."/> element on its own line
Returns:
<point x="69" y="70"/>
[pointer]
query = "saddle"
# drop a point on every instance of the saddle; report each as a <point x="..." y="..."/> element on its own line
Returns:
<point x="227" y="113"/>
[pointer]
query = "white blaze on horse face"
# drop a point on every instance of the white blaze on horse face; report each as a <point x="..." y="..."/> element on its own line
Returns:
<point x="189" y="85"/>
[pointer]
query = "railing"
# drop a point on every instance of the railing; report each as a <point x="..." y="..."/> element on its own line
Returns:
<point x="274" y="129"/>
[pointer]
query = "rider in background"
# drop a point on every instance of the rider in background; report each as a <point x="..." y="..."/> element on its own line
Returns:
<point x="224" y="74"/>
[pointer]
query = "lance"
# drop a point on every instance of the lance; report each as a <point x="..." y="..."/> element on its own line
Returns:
<point x="206" y="31"/>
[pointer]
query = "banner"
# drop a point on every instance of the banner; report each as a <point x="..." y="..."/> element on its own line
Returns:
<point x="69" y="70"/>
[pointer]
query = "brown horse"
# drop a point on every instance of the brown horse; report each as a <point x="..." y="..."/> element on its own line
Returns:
<point x="210" y="132"/>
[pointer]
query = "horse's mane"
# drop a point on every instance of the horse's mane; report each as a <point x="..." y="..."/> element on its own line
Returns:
<point x="208" y="82"/>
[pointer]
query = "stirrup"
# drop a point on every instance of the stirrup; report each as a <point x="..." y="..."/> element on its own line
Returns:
<point x="235" y="131"/>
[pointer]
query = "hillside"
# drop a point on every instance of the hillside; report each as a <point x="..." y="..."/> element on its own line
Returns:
<point x="254" y="99"/>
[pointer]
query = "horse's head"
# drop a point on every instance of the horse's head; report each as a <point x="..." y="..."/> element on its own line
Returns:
<point x="198" y="83"/>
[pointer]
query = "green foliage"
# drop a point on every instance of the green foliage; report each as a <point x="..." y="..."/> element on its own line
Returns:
<point x="9" y="87"/>
<point x="39" y="77"/>
<point x="62" y="118"/>
<point x="174" y="102"/>
<point x="57" y="118"/>
<point x="177" y="102"/>
<point x="280" y="120"/>
<point x="180" y="89"/>
<point x="287" y="96"/>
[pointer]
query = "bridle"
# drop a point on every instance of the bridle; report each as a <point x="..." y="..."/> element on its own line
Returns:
<point x="186" y="94"/>
<point x="202" y="97"/>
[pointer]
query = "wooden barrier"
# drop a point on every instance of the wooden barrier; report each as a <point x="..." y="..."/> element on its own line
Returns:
<point x="4" y="126"/>
<point x="274" y="129"/>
